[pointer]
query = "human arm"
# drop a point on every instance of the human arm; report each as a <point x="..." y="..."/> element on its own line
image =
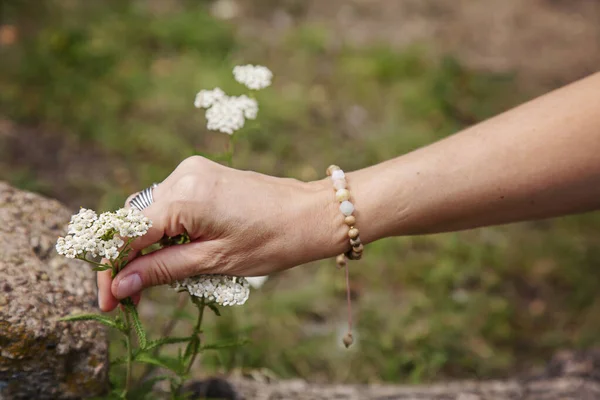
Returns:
<point x="539" y="160"/>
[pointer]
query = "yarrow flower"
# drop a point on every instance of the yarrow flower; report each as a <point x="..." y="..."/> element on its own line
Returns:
<point x="225" y="116"/>
<point x="228" y="114"/>
<point x="247" y="105"/>
<point x="255" y="77"/>
<point x="221" y="289"/>
<point x="206" y="98"/>
<point x="102" y="235"/>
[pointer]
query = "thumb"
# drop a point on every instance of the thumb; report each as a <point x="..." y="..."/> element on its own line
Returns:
<point x="162" y="267"/>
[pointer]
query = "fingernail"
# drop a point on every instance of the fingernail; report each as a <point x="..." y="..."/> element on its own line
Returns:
<point x="129" y="285"/>
<point x="100" y="305"/>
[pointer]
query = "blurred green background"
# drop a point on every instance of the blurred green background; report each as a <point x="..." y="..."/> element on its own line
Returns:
<point x="96" y="102"/>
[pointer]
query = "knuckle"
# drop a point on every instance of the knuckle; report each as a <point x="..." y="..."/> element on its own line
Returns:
<point x="184" y="187"/>
<point x="192" y="162"/>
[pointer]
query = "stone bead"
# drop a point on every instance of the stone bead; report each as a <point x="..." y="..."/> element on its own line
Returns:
<point x="342" y="195"/>
<point x="350" y="220"/>
<point x="332" y="168"/>
<point x="348" y="340"/>
<point x="355" y="242"/>
<point x="347" y="208"/>
<point x="358" y="249"/>
<point x="337" y="174"/>
<point x="340" y="261"/>
<point x="353" y="233"/>
<point x="352" y="255"/>
<point x="339" y="184"/>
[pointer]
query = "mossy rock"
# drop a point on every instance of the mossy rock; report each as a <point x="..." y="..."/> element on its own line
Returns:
<point x="40" y="357"/>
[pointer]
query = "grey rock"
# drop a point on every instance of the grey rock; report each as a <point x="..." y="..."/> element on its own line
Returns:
<point x="40" y="357"/>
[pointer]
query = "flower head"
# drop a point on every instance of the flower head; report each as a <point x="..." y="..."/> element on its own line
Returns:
<point x="206" y="98"/>
<point x="225" y="116"/>
<point x="255" y="77"/>
<point x="221" y="289"/>
<point x="248" y="106"/>
<point x="101" y="235"/>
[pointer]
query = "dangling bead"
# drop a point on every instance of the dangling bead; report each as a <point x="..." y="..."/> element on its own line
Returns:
<point x="348" y="339"/>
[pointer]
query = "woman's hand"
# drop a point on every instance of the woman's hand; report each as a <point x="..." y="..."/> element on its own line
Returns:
<point x="240" y="223"/>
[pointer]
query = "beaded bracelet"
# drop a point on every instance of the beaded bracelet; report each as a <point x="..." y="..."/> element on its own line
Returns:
<point x="342" y="195"/>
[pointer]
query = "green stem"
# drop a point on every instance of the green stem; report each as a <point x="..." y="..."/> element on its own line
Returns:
<point x="129" y="351"/>
<point x="231" y="150"/>
<point x="196" y="332"/>
<point x="118" y="264"/>
<point x="129" y="362"/>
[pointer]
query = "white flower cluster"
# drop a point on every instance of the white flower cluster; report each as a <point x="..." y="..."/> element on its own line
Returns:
<point x="255" y="77"/>
<point x="228" y="114"/>
<point x="221" y="289"/>
<point x="206" y="98"/>
<point x="101" y="235"/>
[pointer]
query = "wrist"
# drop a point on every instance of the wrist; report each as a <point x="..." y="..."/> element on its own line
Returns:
<point x="313" y="228"/>
<point x="324" y="228"/>
<point x="332" y="237"/>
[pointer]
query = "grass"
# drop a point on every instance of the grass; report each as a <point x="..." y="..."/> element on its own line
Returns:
<point x="119" y="78"/>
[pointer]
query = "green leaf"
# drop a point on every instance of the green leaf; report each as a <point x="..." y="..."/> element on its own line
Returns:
<point x="137" y="323"/>
<point x="169" y="363"/>
<point x="167" y="340"/>
<point x="225" y="345"/>
<point x="214" y="309"/>
<point x="100" y="268"/>
<point x="103" y="319"/>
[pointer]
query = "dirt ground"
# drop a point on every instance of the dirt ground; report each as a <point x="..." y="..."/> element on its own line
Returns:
<point x="547" y="42"/>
